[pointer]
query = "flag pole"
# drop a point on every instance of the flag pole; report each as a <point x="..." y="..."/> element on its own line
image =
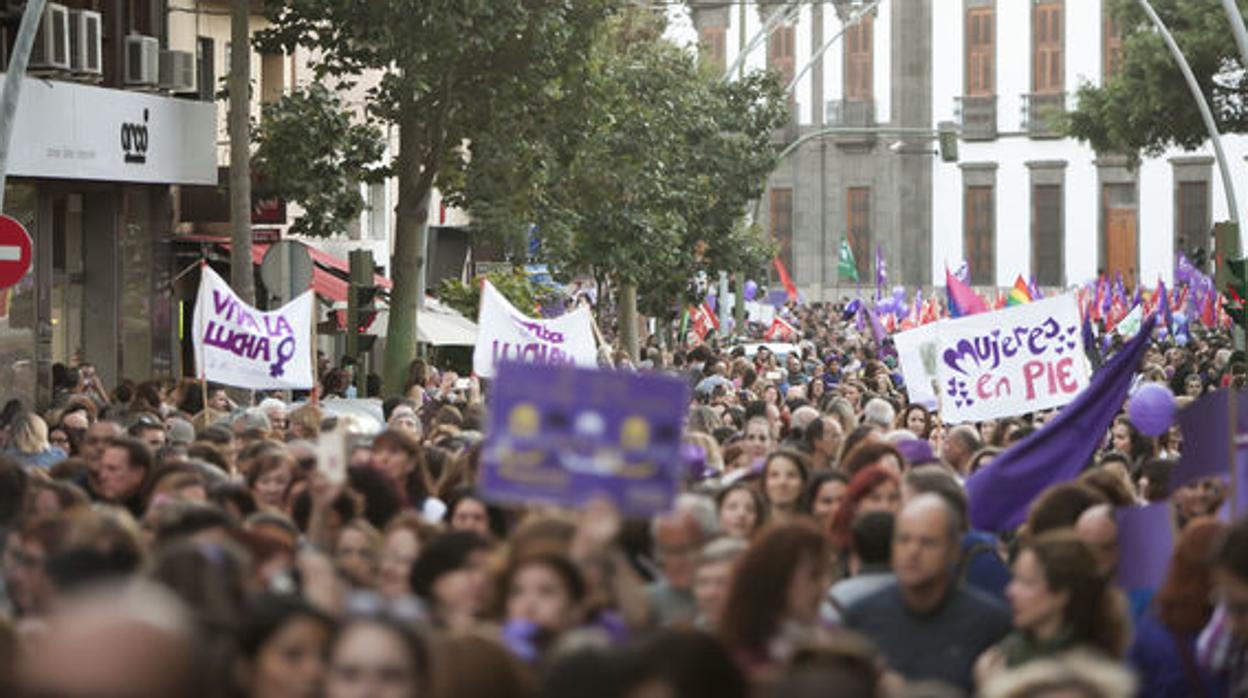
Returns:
<point x="314" y="396"/>
<point x="1233" y="452"/>
<point x="203" y="369"/>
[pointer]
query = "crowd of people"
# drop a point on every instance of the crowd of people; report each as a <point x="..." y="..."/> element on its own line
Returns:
<point x="161" y="540"/>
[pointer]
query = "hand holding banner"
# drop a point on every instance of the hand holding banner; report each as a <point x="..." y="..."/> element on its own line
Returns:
<point x="238" y="345"/>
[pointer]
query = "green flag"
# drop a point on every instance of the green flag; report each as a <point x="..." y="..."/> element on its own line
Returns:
<point x="848" y="268"/>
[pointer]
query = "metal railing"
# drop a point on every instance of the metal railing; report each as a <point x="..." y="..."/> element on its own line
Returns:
<point x="849" y="112"/>
<point x="1041" y="113"/>
<point x="977" y="116"/>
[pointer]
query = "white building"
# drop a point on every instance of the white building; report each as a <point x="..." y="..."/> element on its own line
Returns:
<point x="1022" y="202"/>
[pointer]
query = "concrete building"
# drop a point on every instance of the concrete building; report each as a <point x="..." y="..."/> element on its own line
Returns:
<point x="1020" y="199"/>
<point x="106" y="126"/>
<point x="865" y="180"/>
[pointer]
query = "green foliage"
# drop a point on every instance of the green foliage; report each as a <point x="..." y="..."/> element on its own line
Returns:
<point x="444" y="72"/>
<point x="1147" y="107"/>
<point x="513" y="284"/>
<point x="636" y="166"/>
<point x="310" y="152"/>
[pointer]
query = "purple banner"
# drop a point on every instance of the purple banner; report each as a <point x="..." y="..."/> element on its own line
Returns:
<point x="1145" y="544"/>
<point x="1206" y="437"/>
<point x="563" y="435"/>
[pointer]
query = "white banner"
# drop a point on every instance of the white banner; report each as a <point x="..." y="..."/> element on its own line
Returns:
<point x="1001" y="364"/>
<point x="506" y="334"/>
<point x="238" y="345"/>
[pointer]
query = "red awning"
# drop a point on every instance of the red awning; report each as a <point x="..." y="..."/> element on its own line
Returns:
<point x="328" y="260"/>
<point x="326" y="285"/>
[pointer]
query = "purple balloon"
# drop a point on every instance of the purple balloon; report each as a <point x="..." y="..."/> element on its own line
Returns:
<point x="751" y="290"/>
<point x="1152" y="409"/>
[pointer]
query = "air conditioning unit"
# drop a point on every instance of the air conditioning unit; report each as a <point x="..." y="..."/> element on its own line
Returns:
<point x="177" y="71"/>
<point x="142" y="60"/>
<point x="85" y="48"/>
<point x="51" y="49"/>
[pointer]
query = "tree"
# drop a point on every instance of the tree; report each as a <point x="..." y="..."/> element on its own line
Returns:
<point x="311" y="152"/>
<point x="1146" y="106"/>
<point x="449" y="70"/>
<point x="637" y="168"/>
<point x="242" y="275"/>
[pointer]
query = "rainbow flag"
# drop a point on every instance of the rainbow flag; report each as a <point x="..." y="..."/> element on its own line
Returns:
<point x="962" y="299"/>
<point x="1019" y="294"/>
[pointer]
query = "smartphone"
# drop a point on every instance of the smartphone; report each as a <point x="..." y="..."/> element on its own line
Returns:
<point x="773" y="375"/>
<point x="331" y="456"/>
<point x="463" y="384"/>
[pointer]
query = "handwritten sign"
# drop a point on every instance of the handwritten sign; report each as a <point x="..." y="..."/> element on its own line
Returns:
<point x="992" y="365"/>
<point x="564" y="435"/>
<point x="238" y="345"/>
<point x="506" y="334"/>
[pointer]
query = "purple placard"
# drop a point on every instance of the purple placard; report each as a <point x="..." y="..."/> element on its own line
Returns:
<point x="1145" y="543"/>
<point x="564" y="435"/>
<point x="1206" y="440"/>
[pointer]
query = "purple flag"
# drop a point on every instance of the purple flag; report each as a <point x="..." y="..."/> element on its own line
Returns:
<point x="1145" y="544"/>
<point x="1206" y="439"/>
<point x="1001" y="492"/>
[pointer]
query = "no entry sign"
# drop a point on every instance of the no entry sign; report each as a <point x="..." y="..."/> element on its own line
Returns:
<point x="14" y="252"/>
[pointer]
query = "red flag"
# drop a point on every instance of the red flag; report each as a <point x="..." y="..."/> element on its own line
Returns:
<point x="780" y="331"/>
<point x="789" y="288"/>
<point x="702" y="320"/>
<point x="1208" y="315"/>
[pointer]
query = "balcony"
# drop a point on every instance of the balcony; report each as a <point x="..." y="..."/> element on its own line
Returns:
<point x="1043" y="114"/>
<point x="977" y="116"/>
<point x="850" y="113"/>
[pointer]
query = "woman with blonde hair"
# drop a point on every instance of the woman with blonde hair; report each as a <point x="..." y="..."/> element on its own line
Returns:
<point x="28" y="442"/>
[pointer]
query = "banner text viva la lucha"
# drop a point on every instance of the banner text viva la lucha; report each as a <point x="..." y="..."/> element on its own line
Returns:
<point x="993" y="365"/>
<point x="238" y="345"/>
<point x="506" y="334"/>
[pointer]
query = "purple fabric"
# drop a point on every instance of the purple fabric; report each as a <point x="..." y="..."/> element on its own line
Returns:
<point x="1145" y="543"/>
<point x="1001" y="491"/>
<point x="916" y="452"/>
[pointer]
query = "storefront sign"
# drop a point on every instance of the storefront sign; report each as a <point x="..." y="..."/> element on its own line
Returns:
<point x="506" y="334"/>
<point x="65" y="130"/>
<point x="564" y="435"/>
<point x="992" y="365"/>
<point x="239" y="345"/>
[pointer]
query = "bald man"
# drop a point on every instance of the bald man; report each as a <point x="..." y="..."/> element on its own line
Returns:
<point x="927" y="624"/>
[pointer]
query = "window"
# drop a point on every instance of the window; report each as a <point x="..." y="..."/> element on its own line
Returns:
<point x="1192" y="218"/>
<point x="1047" y="64"/>
<point x="1047" y="239"/>
<point x="207" y="68"/>
<point x="1111" y="44"/>
<point x="859" y="228"/>
<point x="272" y="77"/>
<point x="979" y="242"/>
<point x="858" y="48"/>
<point x="781" y="210"/>
<point x="980" y="51"/>
<point x="781" y="53"/>
<point x="714" y="48"/>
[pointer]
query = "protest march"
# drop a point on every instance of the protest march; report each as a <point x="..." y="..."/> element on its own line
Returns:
<point x="944" y="495"/>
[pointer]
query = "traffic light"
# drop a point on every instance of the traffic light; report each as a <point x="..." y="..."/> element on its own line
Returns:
<point x="947" y="133"/>
<point x="1230" y="273"/>
<point x="361" y="312"/>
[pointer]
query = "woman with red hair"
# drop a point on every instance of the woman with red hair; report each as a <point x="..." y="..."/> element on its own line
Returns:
<point x="874" y="488"/>
<point x="1164" y="650"/>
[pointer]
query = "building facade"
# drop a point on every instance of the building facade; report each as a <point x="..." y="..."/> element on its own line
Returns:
<point x="106" y="126"/>
<point x="1022" y="200"/>
<point x="855" y="172"/>
<point x="1019" y="200"/>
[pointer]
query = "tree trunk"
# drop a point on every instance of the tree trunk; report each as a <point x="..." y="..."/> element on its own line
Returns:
<point x="410" y="235"/>
<point x="628" y="320"/>
<point x="242" y="277"/>
<point x="738" y="311"/>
